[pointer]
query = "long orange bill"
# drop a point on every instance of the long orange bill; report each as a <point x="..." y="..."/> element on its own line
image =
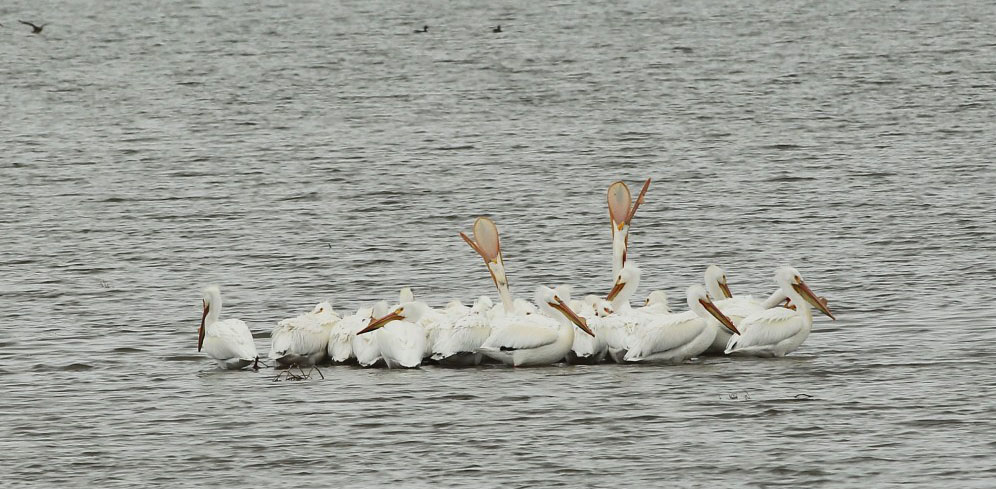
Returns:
<point x="200" y="332"/>
<point x="726" y="290"/>
<point x="483" y="254"/>
<point x="811" y="298"/>
<point x="377" y="323"/>
<point x="560" y="306"/>
<point x="616" y="289"/>
<point x="716" y="313"/>
<point x="639" y="200"/>
<point x="473" y="245"/>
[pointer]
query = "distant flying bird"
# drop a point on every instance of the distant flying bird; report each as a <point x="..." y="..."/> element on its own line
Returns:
<point x="497" y="29"/>
<point x="35" y="29"/>
<point x="425" y="28"/>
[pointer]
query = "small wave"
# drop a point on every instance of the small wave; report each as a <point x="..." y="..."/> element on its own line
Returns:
<point x="183" y="358"/>
<point x="76" y="367"/>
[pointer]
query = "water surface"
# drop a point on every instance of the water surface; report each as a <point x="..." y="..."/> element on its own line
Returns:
<point x="293" y="153"/>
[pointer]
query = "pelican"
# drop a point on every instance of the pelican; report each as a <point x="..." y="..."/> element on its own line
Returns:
<point x="734" y="307"/>
<point x="591" y="349"/>
<point x="401" y="340"/>
<point x="457" y="343"/>
<point x="340" y="349"/>
<point x="303" y="340"/>
<point x="365" y="348"/>
<point x="621" y="213"/>
<point x="228" y="342"/>
<point x="535" y="339"/>
<point x="778" y="331"/>
<point x="624" y="319"/>
<point x="679" y="337"/>
<point x="428" y="322"/>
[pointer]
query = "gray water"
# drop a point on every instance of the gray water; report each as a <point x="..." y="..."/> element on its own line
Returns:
<point x="293" y="153"/>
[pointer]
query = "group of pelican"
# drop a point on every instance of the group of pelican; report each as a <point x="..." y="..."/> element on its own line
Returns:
<point x="551" y="329"/>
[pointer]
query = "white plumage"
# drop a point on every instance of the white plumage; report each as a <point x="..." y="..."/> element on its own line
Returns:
<point x="364" y="347"/>
<point x="228" y="342"/>
<point x="456" y="343"/>
<point x="303" y="340"/>
<point x="779" y="331"/>
<point x="399" y="338"/>
<point x="534" y="339"/>
<point x="678" y="337"/>
<point x="734" y="307"/>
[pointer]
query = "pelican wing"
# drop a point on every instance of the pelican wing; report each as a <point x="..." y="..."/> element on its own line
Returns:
<point x="666" y="333"/>
<point x="766" y="328"/>
<point x="303" y="337"/>
<point x="230" y="339"/>
<point x="739" y="306"/>
<point x="520" y="337"/>
<point x="403" y="342"/>
<point x="365" y="348"/>
<point x="466" y="335"/>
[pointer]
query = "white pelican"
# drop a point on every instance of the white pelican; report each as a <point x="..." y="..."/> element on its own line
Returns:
<point x="535" y="339"/>
<point x="678" y="337"/>
<point x="621" y="213"/>
<point x="365" y="348"/>
<point x="303" y="340"/>
<point x="228" y="342"/>
<point x="591" y="349"/>
<point x="400" y="339"/>
<point x="734" y="307"/>
<point x="432" y="320"/>
<point x="456" y="344"/>
<point x="340" y="349"/>
<point x="779" y="331"/>
<point x="619" y="327"/>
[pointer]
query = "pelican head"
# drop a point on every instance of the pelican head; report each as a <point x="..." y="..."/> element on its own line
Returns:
<point x="604" y="308"/>
<point x="601" y="306"/>
<point x="211" y="302"/>
<point x="627" y="280"/>
<point x="700" y="302"/>
<point x="715" y="282"/>
<point x="482" y="304"/>
<point x="656" y="297"/>
<point x="621" y="213"/>
<point x="550" y="299"/>
<point x="324" y="307"/>
<point x="487" y="244"/>
<point x="790" y="280"/>
<point x="622" y="209"/>
<point x="411" y="312"/>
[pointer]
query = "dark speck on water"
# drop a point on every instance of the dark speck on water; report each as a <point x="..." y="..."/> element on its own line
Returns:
<point x="228" y="141"/>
